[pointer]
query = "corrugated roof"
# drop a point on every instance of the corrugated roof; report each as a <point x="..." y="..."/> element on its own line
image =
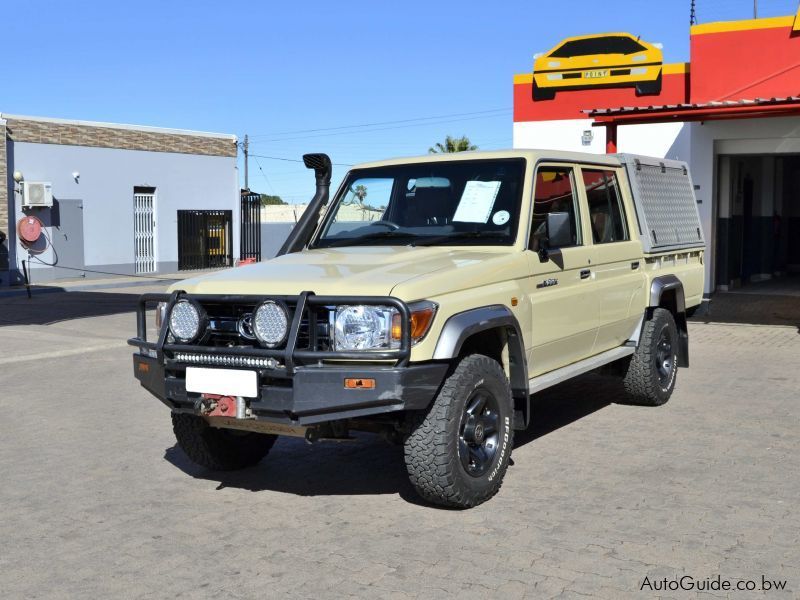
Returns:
<point x="720" y="104"/>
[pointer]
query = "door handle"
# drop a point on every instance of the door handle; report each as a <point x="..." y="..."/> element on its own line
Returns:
<point x="635" y="265"/>
<point x="585" y="273"/>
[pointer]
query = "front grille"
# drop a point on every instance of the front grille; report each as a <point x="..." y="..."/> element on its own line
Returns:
<point x="225" y="326"/>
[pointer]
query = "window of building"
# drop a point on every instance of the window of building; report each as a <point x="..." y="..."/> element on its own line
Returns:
<point x="606" y="211"/>
<point x="554" y="192"/>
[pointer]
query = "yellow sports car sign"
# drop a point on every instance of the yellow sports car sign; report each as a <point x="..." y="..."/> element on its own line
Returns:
<point x="602" y="60"/>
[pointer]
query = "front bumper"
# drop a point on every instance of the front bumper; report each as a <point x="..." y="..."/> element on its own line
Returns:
<point x="621" y="76"/>
<point x="313" y="394"/>
<point x="307" y="387"/>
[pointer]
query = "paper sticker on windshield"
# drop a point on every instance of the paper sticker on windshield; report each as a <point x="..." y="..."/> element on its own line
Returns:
<point x="477" y="202"/>
<point x="501" y="217"/>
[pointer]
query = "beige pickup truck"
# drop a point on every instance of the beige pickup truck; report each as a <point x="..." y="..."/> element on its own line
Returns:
<point x="427" y="302"/>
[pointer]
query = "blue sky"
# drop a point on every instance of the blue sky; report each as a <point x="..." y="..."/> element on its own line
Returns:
<point x="266" y="68"/>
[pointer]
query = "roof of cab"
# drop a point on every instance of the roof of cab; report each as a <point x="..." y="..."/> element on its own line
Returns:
<point x="531" y="155"/>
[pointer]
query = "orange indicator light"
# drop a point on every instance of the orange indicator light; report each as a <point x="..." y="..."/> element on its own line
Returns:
<point x="359" y="384"/>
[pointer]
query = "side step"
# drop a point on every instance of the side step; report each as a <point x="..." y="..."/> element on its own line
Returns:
<point x="542" y="382"/>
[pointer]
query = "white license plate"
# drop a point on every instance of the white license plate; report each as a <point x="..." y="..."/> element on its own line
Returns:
<point x="595" y="74"/>
<point x="223" y="382"/>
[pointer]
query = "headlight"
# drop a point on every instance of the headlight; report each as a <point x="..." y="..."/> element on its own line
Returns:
<point x="185" y="321"/>
<point x="378" y="327"/>
<point x="270" y="323"/>
<point x="362" y="327"/>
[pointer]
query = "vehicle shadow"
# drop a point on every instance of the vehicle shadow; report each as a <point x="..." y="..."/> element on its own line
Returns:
<point x="370" y="465"/>
<point x="53" y="307"/>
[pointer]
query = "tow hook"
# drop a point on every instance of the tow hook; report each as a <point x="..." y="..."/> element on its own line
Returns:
<point x="212" y="405"/>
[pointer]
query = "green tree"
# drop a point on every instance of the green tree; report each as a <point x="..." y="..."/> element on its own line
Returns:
<point x="267" y="200"/>
<point x="361" y="193"/>
<point x="452" y="144"/>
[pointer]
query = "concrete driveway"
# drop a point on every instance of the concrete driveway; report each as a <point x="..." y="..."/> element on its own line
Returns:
<point x="602" y="500"/>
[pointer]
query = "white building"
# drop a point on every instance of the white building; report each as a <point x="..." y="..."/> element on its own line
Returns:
<point x="113" y="198"/>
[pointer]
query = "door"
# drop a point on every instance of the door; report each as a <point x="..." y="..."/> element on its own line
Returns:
<point x="144" y="230"/>
<point x="250" y="238"/>
<point x="67" y="237"/>
<point x="204" y="239"/>
<point x="560" y="287"/>
<point x="618" y="269"/>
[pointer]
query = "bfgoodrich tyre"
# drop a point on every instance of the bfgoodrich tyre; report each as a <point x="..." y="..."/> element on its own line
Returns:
<point x="458" y="451"/>
<point x="219" y="449"/>
<point x="653" y="368"/>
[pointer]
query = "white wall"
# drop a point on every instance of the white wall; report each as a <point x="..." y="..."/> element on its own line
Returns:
<point x="559" y="135"/>
<point x="106" y="182"/>
<point x="662" y="139"/>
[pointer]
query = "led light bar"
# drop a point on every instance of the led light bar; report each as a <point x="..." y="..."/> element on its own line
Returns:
<point x="226" y="361"/>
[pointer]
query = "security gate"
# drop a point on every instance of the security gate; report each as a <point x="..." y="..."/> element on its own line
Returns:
<point x="250" y="240"/>
<point x="144" y="231"/>
<point x="204" y="239"/>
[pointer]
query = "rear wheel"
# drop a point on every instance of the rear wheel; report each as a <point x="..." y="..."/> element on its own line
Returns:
<point x="459" y="450"/>
<point x="219" y="449"/>
<point x="653" y="368"/>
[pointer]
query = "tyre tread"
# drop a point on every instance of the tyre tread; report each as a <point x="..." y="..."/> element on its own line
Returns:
<point x="431" y="463"/>
<point x="640" y="383"/>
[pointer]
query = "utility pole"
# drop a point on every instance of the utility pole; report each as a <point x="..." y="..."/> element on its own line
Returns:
<point x="692" y="15"/>
<point x="755" y="9"/>
<point x="246" y="148"/>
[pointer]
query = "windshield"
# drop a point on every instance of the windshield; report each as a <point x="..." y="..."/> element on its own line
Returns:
<point x="475" y="202"/>
<point x="611" y="44"/>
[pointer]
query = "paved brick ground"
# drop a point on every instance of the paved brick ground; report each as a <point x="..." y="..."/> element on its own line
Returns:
<point x="100" y="504"/>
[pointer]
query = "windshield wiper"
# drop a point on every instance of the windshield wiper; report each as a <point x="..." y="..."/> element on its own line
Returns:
<point x="463" y="235"/>
<point x="360" y="240"/>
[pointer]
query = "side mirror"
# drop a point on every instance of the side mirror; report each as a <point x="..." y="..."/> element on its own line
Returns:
<point x="558" y="233"/>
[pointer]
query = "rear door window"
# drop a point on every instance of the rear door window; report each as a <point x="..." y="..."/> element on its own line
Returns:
<point x="606" y="211"/>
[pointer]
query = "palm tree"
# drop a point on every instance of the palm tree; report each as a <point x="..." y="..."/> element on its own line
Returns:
<point x="452" y="144"/>
<point x="361" y="193"/>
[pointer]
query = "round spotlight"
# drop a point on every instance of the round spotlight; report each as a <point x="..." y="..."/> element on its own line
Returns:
<point x="185" y="321"/>
<point x="271" y="323"/>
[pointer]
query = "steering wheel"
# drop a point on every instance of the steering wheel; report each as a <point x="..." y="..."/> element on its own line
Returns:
<point x="390" y="224"/>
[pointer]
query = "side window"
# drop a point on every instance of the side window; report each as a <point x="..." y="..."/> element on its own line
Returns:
<point x="554" y="191"/>
<point x="606" y="211"/>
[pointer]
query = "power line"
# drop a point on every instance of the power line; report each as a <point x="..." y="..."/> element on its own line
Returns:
<point x="293" y="160"/>
<point x="269" y="183"/>
<point x="478" y="112"/>
<point x="405" y="126"/>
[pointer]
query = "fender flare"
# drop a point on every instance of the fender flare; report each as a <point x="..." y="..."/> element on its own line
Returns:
<point x="658" y="287"/>
<point x="664" y="283"/>
<point x="459" y="327"/>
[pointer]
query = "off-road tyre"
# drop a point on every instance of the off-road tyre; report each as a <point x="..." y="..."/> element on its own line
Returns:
<point x="645" y="381"/>
<point x="433" y="449"/>
<point x="219" y="449"/>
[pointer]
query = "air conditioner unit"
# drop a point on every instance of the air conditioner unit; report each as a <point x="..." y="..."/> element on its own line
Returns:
<point x="37" y="194"/>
